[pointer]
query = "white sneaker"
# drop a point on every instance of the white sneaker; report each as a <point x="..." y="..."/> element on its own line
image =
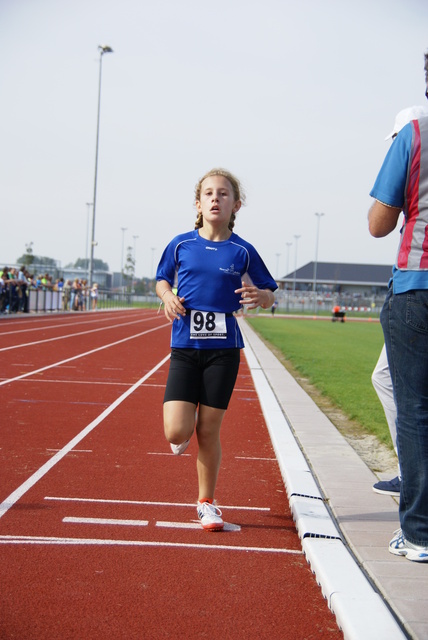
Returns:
<point x="399" y="546"/>
<point x="210" y="516"/>
<point x="178" y="449"/>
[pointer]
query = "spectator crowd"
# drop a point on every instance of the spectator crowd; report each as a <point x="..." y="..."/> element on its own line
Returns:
<point x="16" y="284"/>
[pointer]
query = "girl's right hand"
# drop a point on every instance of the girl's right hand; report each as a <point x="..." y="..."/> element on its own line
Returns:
<point x="174" y="309"/>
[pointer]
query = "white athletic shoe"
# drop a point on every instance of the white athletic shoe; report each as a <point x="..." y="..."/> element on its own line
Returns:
<point x="210" y="516"/>
<point x="178" y="449"/>
<point x="399" y="546"/>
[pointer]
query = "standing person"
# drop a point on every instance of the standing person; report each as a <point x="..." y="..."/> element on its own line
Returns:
<point x="382" y="383"/>
<point x="402" y="185"/>
<point x="66" y="292"/>
<point x="94" y="296"/>
<point x="216" y="272"/>
<point x="381" y="376"/>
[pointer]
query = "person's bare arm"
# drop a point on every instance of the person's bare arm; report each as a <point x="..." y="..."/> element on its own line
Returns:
<point x="382" y="219"/>
<point x="174" y="309"/>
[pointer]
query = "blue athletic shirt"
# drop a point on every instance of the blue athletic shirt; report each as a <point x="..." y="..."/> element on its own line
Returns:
<point x="207" y="274"/>
<point x="390" y="189"/>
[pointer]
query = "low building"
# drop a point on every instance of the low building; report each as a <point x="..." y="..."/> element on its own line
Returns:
<point x="365" y="280"/>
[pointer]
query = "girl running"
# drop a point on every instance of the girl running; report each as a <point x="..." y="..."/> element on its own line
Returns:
<point x="215" y="272"/>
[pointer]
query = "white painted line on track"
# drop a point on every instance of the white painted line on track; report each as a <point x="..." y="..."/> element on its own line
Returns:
<point x="114" y="521"/>
<point x="142" y="543"/>
<point x="151" y="503"/>
<point x="74" y="321"/>
<point x="75" y="335"/>
<point x="249" y="458"/>
<point x="86" y="353"/>
<point x="33" y="479"/>
<point x="73" y="450"/>
<point x="178" y="525"/>
<point x="167" y="453"/>
<point x="91" y="382"/>
<point x="194" y="525"/>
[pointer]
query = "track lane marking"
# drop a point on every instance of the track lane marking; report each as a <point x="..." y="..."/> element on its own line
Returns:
<point x="5" y="539"/>
<point x="150" y="503"/>
<point x="255" y="458"/>
<point x="75" y="335"/>
<point x="228" y="526"/>
<point x="82" y="355"/>
<point x="113" y="521"/>
<point x="74" y="322"/>
<point x="35" y="477"/>
<point x="195" y="524"/>
<point x="91" y="382"/>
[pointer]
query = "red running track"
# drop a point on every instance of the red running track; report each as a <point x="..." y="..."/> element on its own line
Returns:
<point x="98" y="530"/>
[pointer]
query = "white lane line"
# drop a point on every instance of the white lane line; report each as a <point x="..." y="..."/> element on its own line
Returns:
<point x="74" y="335"/>
<point x="151" y="503"/>
<point x="74" y="450"/>
<point x="141" y="543"/>
<point x="249" y="458"/>
<point x="82" y="355"/>
<point x="178" y="525"/>
<point x="144" y="523"/>
<point x="33" y="479"/>
<point x="114" y="521"/>
<point x="30" y="326"/>
<point x="228" y="526"/>
<point x="107" y="383"/>
<point x="167" y="453"/>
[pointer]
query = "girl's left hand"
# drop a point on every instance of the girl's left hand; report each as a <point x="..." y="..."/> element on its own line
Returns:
<point x="252" y="297"/>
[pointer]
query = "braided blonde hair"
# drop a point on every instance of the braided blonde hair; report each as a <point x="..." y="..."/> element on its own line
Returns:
<point x="238" y="194"/>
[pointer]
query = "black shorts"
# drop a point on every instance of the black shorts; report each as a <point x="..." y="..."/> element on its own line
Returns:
<point x="205" y="376"/>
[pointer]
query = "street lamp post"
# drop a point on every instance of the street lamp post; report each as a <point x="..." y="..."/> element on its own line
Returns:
<point x="295" y="264"/>
<point x="123" y="229"/>
<point x="102" y="49"/>
<point x="89" y="205"/>
<point x="288" y="245"/>
<point x="135" y="257"/>
<point x="319" y="216"/>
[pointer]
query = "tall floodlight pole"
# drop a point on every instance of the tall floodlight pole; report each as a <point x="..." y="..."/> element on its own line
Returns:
<point x="102" y="49"/>
<point x="288" y="245"/>
<point x="89" y="205"/>
<point x="123" y="229"/>
<point x="295" y="263"/>
<point x="135" y="255"/>
<point x="319" y="216"/>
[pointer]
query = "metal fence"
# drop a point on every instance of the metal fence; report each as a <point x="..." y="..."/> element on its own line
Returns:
<point x="50" y="301"/>
<point x="308" y="302"/>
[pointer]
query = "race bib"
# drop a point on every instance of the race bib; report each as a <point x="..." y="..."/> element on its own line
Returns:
<point x="207" y="324"/>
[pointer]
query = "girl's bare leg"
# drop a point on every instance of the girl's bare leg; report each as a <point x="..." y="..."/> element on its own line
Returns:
<point x="209" y="455"/>
<point x="178" y="420"/>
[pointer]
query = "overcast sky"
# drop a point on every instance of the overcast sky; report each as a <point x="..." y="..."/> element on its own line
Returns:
<point x="293" y="96"/>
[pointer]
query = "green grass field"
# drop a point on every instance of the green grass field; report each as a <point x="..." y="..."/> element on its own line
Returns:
<point x="338" y="359"/>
